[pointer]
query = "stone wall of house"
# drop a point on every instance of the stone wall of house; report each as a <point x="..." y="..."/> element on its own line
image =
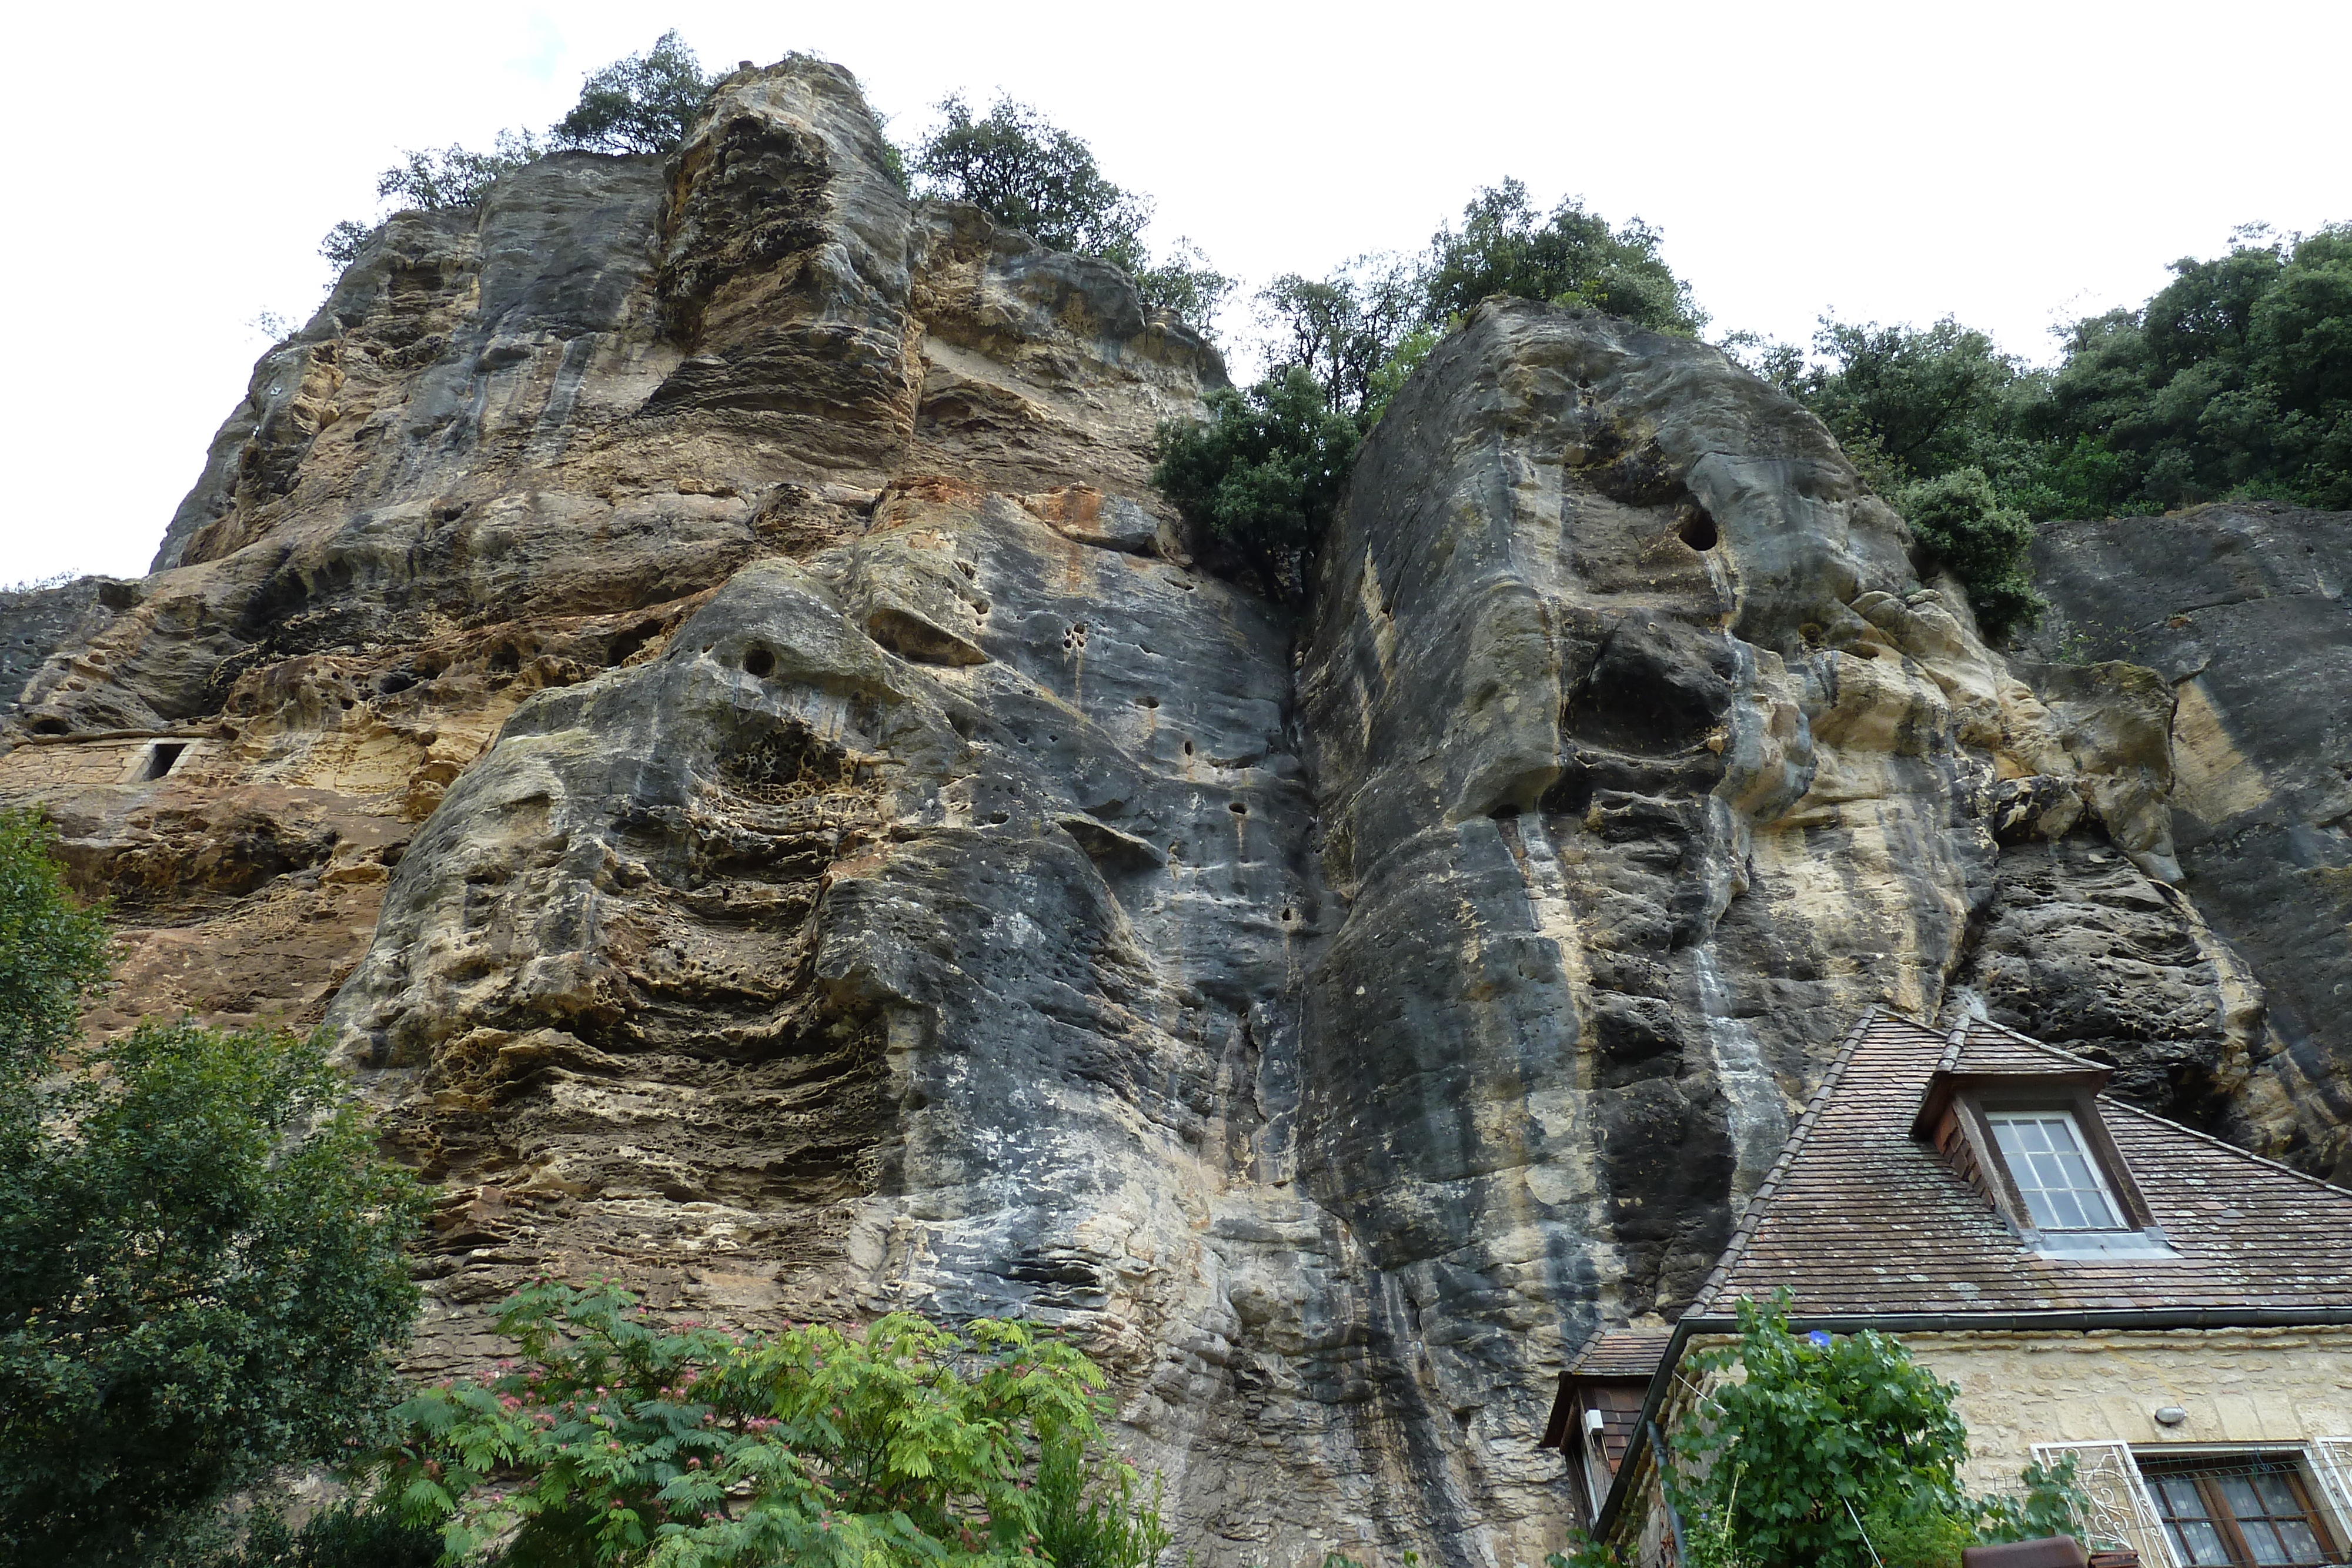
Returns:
<point x="2238" y="1386"/>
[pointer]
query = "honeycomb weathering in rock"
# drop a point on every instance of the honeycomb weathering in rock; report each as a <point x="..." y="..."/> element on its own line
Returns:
<point x="681" y="668"/>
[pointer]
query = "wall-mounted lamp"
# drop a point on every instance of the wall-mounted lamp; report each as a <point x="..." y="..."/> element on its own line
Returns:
<point x="2170" y="1415"/>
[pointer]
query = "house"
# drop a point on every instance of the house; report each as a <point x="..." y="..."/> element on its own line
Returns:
<point x="2173" y="1311"/>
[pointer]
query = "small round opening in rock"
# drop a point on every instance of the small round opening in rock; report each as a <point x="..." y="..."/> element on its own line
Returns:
<point x="761" y="663"/>
<point x="1698" y="530"/>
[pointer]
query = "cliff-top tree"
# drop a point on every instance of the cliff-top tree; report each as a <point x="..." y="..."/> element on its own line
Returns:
<point x="642" y="103"/>
<point x="1029" y="173"/>
<point x="1569" y="256"/>
<point x="200" y="1274"/>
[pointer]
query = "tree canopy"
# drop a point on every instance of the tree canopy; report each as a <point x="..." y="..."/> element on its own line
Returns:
<point x="200" y="1273"/>
<point x="1031" y="175"/>
<point x="1262" y="474"/>
<point x="1569" y="256"/>
<point x="1344" y="327"/>
<point x="640" y="103"/>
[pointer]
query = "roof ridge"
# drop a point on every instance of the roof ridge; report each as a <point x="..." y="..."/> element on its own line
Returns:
<point x="2041" y="1045"/>
<point x="1752" y="1214"/>
<point x="1952" y="1043"/>
<point x="2224" y="1143"/>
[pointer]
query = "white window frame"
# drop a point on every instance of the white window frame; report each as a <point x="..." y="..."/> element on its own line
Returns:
<point x="2121" y="1506"/>
<point x="2084" y="1149"/>
<point x="2123" y="1509"/>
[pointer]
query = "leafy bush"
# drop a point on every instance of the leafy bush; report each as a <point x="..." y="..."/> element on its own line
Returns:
<point x="641" y="103"/>
<point x="617" y="1440"/>
<point x="1824" y="1439"/>
<point x="1988" y="546"/>
<point x="1262" y="474"/>
<point x="1570" y="257"/>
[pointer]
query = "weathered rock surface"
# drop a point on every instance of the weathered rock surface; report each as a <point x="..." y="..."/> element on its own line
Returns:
<point x="682" y="668"/>
<point x="2240" y="610"/>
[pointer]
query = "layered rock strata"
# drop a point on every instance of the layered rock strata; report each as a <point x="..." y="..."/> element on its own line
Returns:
<point x="681" y="668"/>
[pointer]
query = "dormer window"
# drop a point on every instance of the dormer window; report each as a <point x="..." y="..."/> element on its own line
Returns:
<point x="2055" y="1171"/>
<point x="2024" y="1131"/>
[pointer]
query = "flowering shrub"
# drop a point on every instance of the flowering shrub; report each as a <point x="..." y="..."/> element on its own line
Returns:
<point x="617" y="1440"/>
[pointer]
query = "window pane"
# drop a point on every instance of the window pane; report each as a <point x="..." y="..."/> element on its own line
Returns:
<point x="2179" y="1497"/>
<point x="2302" y="1542"/>
<point x="2054" y="1172"/>
<point x="2200" y="1544"/>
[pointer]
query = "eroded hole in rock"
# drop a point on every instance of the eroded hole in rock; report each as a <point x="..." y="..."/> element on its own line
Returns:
<point x="1697" y="530"/>
<point x="49" y="727"/>
<point x="759" y="661"/>
<point x="1147" y="701"/>
<point x="165" y="758"/>
<point x="1073" y="641"/>
<point x="391" y="683"/>
<point x="506" y="660"/>
<point x="1237" y="809"/>
<point x="625" y="644"/>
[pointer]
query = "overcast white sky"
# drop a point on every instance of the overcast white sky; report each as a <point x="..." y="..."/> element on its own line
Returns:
<point x="173" y="170"/>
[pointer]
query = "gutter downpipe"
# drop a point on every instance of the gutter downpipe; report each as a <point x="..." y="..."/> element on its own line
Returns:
<point x="2088" y="1322"/>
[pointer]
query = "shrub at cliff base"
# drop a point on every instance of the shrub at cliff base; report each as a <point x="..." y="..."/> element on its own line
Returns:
<point x="615" y="1440"/>
<point x="1824" y="1440"/>
<point x="201" y="1275"/>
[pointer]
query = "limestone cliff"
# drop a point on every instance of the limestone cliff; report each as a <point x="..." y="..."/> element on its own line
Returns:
<point x="681" y="668"/>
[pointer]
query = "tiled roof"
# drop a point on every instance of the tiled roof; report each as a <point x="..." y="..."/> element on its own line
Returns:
<point x="1621" y="1353"/>
<point x="1857" y="1217"/>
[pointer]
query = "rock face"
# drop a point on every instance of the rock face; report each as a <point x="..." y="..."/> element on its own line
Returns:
<point x="681" y="668"/>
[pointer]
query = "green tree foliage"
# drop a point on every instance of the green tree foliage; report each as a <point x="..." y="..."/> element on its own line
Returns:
<point x="642" y="103"/>
<point x="1935" y="419"/>
<point x="200" y="1278"/>
<point x="1344" y="329"/>
<point x="200" y="1264"/>
<point x="1263" y="474"/>
<point x="615" y="1440"/>
<point x="352" y="1533"/>
<point x="2235" y="380"/>
<point x="1031" y="175"/>
<point x="1821" y="1439"/>
<point x="1026" y="171"/>
<point x="53" y="953"/>
<point x="1184" y="284"/>
<point x="1571" y="257"/>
